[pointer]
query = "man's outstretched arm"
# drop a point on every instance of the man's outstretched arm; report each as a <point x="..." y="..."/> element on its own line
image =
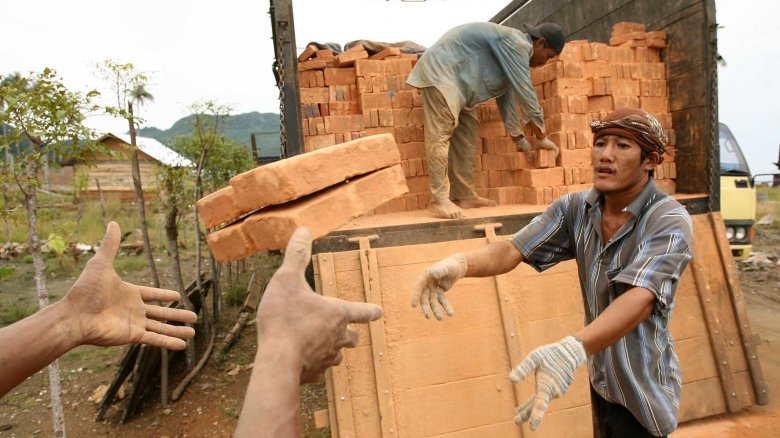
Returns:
<point x="99" y="309"/>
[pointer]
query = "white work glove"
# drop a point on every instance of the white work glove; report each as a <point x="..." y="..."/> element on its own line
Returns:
<point x="553" y="366"/>
<point x="521" y="144"/>
<point x="429" y="289"/>
<point x="546" y="143"/>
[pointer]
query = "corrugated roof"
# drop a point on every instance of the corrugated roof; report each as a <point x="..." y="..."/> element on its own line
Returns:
<point x="155" y="149"/>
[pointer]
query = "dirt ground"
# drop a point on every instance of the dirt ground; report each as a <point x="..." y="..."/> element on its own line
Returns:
<point x="210" y="407"/>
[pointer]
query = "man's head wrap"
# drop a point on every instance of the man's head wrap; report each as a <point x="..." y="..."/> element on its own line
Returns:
<point x="636" y="125"/>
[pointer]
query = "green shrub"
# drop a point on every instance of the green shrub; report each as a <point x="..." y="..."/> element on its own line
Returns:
<point x="7" y="272"/>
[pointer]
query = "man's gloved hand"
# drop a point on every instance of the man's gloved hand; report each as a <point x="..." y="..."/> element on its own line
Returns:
<point x="429" y="289"/>
<point x="553" y="365"/>
<point x="521" y="143"/>
<point x="546" y="143"/>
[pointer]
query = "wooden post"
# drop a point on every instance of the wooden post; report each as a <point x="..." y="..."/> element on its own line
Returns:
<point x="102" y="203"/>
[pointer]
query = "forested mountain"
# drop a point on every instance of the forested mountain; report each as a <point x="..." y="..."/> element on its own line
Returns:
<point x="238" y="127"/>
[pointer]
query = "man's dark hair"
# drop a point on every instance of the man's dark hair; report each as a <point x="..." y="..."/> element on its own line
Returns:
<point x="642" y="160"/>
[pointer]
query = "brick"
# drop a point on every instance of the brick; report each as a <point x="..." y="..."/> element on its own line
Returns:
<point x="398" y="67"/>
<point x="307" y="53"/>
<point x="311" y="110"/>
<point x="572" y="51"/>
<point x="555" y="105"/>
<point x="625" y="87"/>
<point x="656" y="43"/>
<point x="625" y="27"/>
<point x="599" y="52"/>
<point x="408" y="116"/>
<point x="314" y="64"/>
<point x="339" y="76"/>
<point x="385" y="117"/>
<point x="281" y="181"/>
<point x="375" y="100"/>
<point x="617" y="40"/>
<point x="559" y="139"/>
<point x="398" y="83"/>
<point x="542" y="177"/>
<point x="647" y="54"/>
<point x="656" y="34"/>
<point x="403" y="99"/>
<point x="626" y="102"/>
<point x="343" y="123"/>
<point x="566" y="87"/>
<point x="566" y="122"/>
<point x="576" y="157"/>
<point x="314" y="142"/>
<point x="492" y="130"/>
<point x="544" y="158"/>
<point x="379" y="83"/>
<point x="582" y="140"/>
<point x="500" y="161"/>
<point x="393" y="206"/>
<point x="577" y="104"/>
<point x="325" y="55"/>
<point x="322" y="213"/>
<point x="370" y="67"/>
<point x="218" y="207"/>
<point x="349" y="57"/>
<point x="344" y="108"/>
<point x="600" y="103"/>
<point x="654" y="104"/>
<point x="315" y="95"/>
<point x="387" y="51"/>
<point x="412" y="150"/>
<point x="652" y="70"/>
<point x="652" y="87"/>
<point x="596" y="69"/>
<point x="618" y="55"/>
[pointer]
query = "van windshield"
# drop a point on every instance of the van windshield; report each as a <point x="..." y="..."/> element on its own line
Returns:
<point x="732" y="162"/>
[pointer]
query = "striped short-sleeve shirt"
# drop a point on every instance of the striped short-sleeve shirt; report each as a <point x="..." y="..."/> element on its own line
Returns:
<point x="639" y="371"/>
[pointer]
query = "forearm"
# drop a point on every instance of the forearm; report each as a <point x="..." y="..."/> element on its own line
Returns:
<point x="619" y="318"/>
<point x="494" y="259"/>
<point x="272" y="399"/>
<point x="31" y="344"/>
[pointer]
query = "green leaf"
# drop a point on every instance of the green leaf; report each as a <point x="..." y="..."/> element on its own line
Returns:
<point x="57" y="244"/>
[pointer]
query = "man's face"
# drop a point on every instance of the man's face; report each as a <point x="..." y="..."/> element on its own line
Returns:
<point x="618" y="164"/>
<point x="541" y="54"/>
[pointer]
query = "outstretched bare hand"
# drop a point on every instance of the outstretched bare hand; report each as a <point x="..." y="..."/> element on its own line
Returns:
<point x="114" y="312"/>
<point x="300" y="320"/>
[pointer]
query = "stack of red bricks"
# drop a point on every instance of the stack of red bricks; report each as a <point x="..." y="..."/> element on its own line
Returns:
<point x="343" y="100"/>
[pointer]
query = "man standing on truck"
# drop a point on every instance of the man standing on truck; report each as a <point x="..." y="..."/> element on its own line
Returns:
<point x="631" y="243"/>
<point x="468" y="65"/>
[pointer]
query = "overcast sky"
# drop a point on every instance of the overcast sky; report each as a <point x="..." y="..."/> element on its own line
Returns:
<point x="203" y="49"/>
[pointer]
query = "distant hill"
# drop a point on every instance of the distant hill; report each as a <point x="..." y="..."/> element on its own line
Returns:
<point x="238" y="127"/>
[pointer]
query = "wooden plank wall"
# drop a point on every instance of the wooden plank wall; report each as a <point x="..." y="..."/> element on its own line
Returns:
<point x="449" y="378"/>
<point x="690" y="67"/>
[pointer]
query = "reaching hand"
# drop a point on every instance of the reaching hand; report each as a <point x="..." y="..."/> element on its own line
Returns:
<point x="299" y="320"/>
<point x="429" y="289"/>
<point x="553" y="366"/>
<point x="546" y="143"/>
<point x="108" y="311"/>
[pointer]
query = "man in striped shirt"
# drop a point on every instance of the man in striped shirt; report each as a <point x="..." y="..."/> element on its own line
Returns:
<point x="632" y="243"/>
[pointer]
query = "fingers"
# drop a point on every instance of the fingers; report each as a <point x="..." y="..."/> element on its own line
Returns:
<point x="168" y="330"/>
<point x="158" y="340"/>
<point x="361" y="312"/>
<point x="425" y="303"/>
<point x="298" y="253"/>
<point x="445" y="303"/>
<point x="433" y="301"/>
<point x="110" y="244"/>
<point x="523" y="413"/>
<point x="162" y="313"/>
<point x="155" y="294"/>
<point x="419" y="288"/>
<point x="541" y="403"/>
<point x="522" y="371"/>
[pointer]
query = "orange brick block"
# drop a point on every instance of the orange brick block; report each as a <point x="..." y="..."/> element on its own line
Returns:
<point x="626" y="102"/>
<point x="411" y="150"/>
<point x="349" y="57"/>
<point x="625" y="87"/>
<point x="312" y="143"/>
<point x="600" y="103"/>
<point x="500" y="161"/>
<point x="566" y="122"/>
<point x="314" y="64"/>
<point x="596" y="69"/>
<point x="387" y="51"/>
<point x="322" y="213"/>
<point x="566" y="87"/>
<point x="620" y="55"/>
<point x="315" y="95"/>
<point x="600" y="86"/>
<point x="282" y="181"/>
<point x="343" y="123"/>
<point x="652" y="88"/>
<point x="576" y="157"/>
<point x="403" y="99"/>
<point x="370" y="67"/>
<point x="598" y="52"/>
<point x="652" y="70"/>
<point x="375" y="100"/>
<point x="542" y="177"/>
<point x="647" y="54"/>
<point x="625" y="27"/>
<point x="492" y="130"/>
<point x="307" y="53"/>
<point x="339" y="76"/>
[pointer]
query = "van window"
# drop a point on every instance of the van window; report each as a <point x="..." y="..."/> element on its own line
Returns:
<point x="732" y="162"/>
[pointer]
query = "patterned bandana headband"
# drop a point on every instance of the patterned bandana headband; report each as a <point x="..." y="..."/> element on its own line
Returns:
<point x="635" y="125"/>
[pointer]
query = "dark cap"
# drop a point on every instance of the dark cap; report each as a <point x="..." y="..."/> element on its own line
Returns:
<point x="551" y="32"/>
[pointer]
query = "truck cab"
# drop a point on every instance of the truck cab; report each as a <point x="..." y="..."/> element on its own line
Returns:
<point x="737" y="194"/>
